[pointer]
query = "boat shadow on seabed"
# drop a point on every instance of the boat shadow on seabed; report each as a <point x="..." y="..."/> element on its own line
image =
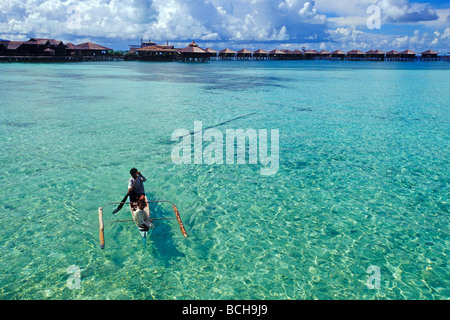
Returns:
<point x="164" y="236"/>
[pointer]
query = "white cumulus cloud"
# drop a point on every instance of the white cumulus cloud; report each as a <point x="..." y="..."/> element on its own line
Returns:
<point x="405" y="11"/>
<point x="164" y="19"/>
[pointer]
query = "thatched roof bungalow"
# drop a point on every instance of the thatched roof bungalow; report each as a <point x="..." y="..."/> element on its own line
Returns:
<point x="260" y="54"/>
<point x="244" y="54"/>
<point x="276" y="51"/>
<point x="392" y="54"/>
<point x="211" y="52"/>
<point x="338" y="54"/>
<point x="356" y="54"/>
<point x="311" y="54"/>
<point x="50" y="47"/>
<point x="376" y="54"/>
<point x="93" y="49"/>
<point x="9" y="48"/>
<point x="193" y="48"/>
<point x="297" y="54"/>
<point x="276" y="54"/>
<point x="288" y="54"/>
<point x="73" y="49"/>
<point x="194" y="53"/>
<point x="324" y="54"/>
<point x="157" y="53"/>
<point x="39" y="46"/>
<point x="227" y="53"/>
<point x="407" y="54"/>
<point x="430" y="54"/>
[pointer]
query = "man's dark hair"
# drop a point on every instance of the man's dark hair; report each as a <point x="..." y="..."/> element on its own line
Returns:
<point x="133" y="171"/>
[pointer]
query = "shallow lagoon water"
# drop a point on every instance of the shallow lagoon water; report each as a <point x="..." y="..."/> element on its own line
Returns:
<point x="363" y="180"/>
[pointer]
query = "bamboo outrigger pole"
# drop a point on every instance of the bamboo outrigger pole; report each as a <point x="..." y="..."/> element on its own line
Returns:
<point x="101" y="228"/>
<point x="177" y="214"/>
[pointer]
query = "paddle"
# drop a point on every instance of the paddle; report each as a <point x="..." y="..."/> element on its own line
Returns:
<point x="124" y="199"/>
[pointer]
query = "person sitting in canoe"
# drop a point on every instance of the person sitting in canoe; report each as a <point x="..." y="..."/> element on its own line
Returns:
<point x="141" y="217"/>
<point x="136" y="189"/>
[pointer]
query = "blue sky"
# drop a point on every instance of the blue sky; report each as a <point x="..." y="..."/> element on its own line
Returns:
<point x="237" y="24"/>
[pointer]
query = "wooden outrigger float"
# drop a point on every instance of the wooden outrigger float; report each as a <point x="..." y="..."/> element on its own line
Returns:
<point x="143" y="233"/>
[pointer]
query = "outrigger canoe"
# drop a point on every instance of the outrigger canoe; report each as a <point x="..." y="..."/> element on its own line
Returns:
<point x="143" y="233"/>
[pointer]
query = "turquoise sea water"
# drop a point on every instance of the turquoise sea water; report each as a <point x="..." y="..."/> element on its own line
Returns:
<point x="363" y="181"/>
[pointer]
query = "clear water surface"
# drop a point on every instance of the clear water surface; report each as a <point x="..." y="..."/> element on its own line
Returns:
<point x="363" y="180"/>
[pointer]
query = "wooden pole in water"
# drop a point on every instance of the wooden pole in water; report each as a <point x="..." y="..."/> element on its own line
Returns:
<point x="101" y="227"/>
<point x="177" y="215"/>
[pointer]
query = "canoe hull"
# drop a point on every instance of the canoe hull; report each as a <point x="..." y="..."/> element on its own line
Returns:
<point x="147" y="211"/>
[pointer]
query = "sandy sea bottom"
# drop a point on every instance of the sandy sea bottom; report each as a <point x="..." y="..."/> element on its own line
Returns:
<point x="363" y="180"/>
